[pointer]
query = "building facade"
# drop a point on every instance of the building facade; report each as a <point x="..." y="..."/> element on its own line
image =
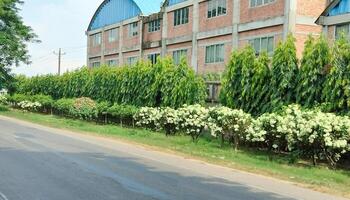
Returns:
<point x="335" y="19"/>
<point x="203" y="31"/>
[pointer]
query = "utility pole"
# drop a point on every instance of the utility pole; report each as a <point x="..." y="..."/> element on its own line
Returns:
<point x="60" y="54"/>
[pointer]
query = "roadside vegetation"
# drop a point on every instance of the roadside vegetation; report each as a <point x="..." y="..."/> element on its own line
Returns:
<point x="277" y="117"/>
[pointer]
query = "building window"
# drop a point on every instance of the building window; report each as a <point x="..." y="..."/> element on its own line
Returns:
<point x="216" y="8"/>
<point x="133" y="29"/>
<point x="181" y="16"/>
<point x="214" y="53"/>
<point x="112" y="63"/>
<point x="131" y="60"/>
<point x="177" y="55"/>
<point x="96" y="39"/>
<point x="154" y="25"/>
<point x="153" y="57"/>
<point x="263" y="44"/>
<point x="256" y="3"/>
<point x="113" y="35"/>
<point x="343" y="29"/>
<point x="96" y="64"/>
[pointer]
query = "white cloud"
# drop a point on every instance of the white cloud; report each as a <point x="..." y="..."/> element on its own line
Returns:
<point x="58" y="23"/>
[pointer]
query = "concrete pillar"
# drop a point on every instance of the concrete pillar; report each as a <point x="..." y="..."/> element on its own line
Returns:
<point x="103" y="46"/>
<point x="121" y="60"/>
<point x="195" y="29"/>
<point x="290" y="16"/>
<point x="141" y="37"/>
<point x="235" y="22"/>
<point x="88" y="43"/>
<point x="164" y="32"/>
<point x="325" y="31"/>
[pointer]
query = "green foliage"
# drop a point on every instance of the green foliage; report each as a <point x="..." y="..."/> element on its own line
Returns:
<point x="123" y="112"/>
<point x="246" y="83"/>
<point x="313" y="70"/>
<point x="284" y="74"/>
<point x="3" y="108"/>
<point x="63" y="106"/>
<point x="14" y="36"/>
<point x="84" y="108"/>
<point x="141" y="85"/>
<point x="337" y="89"/>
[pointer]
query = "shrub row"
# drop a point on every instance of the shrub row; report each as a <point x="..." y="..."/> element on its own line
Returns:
<point x="162" y="84"/>
<point x="258" y="85"/>
<point x="296" y="132"/>
<point x="81" y="108"/>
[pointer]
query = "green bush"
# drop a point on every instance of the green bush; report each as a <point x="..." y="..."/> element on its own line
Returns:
<point x="63" y="106"/>
<point x="3" y="108"/>
<point x="124" y="113"/>
<point x="84" y="108"/>
<point x="163" y="84"/>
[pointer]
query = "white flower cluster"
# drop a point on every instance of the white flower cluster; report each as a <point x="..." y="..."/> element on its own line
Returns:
<point x="309" y="132"/>
<point x="148" y="117"/>
<point x="3" y="99"/>
<point x="193" y="119"/>
<point x="169" y="120"/>
<point x="29" y="106"/>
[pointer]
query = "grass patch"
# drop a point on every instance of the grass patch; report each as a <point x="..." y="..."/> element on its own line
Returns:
<point x="207" y="149"/>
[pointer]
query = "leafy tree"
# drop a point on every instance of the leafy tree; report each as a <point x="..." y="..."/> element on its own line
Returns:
<point x="284" y="74"/>
<point x="13" y="38"/>
<point x="337" y="88"/>
<point x="313" y="71"/>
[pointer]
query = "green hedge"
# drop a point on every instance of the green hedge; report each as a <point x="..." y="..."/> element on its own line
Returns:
<point x="162" y="84"/>
<point x="260" y="84"/>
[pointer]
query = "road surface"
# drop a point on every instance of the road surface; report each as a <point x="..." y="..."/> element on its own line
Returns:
<point x="40" y="163"/>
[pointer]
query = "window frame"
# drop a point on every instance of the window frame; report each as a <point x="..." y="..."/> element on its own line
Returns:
<point x="93" y="64"/>
<point x="252" y="42"/>
<point x="112" y="60"/>
<point x="96" y="41"/>
<point x="214" y="5"/>
<point x="211" y="53"/>
<point x="133" y="29"/>
<point x="181" y="16"/>
<point x="131" y="58"/>
<point x="178" y="54"/>
<point x="154" y="26"/>
<point x="262" y="4"/>
<point x="153" y="57"/>
<point x="336" y="36"/>
<point x="113" y="37"/>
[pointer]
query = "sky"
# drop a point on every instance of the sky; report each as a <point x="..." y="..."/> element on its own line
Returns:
<point x="60" y="24"/>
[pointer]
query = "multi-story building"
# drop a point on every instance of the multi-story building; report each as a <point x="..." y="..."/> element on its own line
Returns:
<point x="204" y="31"/>
<point x="336" y="19"/>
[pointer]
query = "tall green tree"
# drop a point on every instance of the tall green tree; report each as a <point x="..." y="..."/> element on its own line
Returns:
<point x="284" y="74"/>
<point x="313" y="71"/>
<point x="337" y="88"/>
<point x="14" y="36"/>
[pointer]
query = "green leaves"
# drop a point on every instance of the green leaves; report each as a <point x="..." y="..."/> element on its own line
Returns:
<point x="163" y="84"/>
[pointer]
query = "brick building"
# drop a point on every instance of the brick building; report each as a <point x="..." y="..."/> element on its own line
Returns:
<point x="336" y="19"/>
<point x="204" y="31"/>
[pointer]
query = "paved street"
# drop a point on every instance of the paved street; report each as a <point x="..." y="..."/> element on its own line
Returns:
<point x="39" y="163"/>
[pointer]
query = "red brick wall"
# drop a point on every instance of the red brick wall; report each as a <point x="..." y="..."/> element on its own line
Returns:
<point x="206" y="24"/>
<point x="151" y="36"/>
<point x="130" y="54"/>
<point x="130" y="41"/>
<point x="185" y="45"/>
<point x="262" y="12"/>
<point x="111" y="46"/>
<point x="151" y="51"/>
<point x="204" y="68"/>
<point x="312" y="8"/>
<point x="277" y="31"/>
<point x="301" y="35"/>
<point x="180" y="30"/>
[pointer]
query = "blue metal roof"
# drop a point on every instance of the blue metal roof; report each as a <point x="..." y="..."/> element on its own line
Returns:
<point x="114" y="11"/>
<point x="173" y="2"/>
<point x="341" y="8"/>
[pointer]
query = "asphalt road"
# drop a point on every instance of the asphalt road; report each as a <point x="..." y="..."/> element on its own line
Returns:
<point x="40" y="163"/>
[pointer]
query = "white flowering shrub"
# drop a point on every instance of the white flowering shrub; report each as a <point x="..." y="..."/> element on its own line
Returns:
<point x="3" y="99"/>
<point x="264" y="132"/>
<point x="169" y="120"/>
<point x="193" y="120"/>
<point x="149" y="118"/>
<point x="231" y="125"/>
<point x="29" y="106"/>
